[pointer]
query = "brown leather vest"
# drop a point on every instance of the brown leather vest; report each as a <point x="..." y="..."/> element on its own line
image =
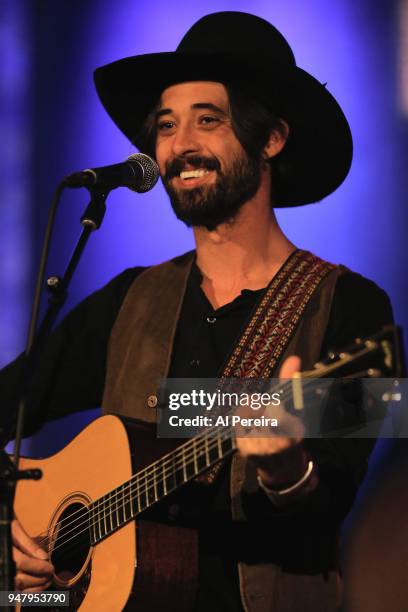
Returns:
<point x="139" y="356"/>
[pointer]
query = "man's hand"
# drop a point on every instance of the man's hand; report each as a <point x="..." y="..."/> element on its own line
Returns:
<point x="34" y="572"/>
<point x="281" y="460"/>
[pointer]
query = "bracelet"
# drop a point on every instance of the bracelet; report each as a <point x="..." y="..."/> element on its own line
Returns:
<point x="275" y="494"/>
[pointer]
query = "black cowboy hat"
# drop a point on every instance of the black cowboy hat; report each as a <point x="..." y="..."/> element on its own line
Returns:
<point x="236" y="48"/>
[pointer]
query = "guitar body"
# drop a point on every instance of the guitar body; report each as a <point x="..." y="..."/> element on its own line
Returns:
<point x="144" y="565"/>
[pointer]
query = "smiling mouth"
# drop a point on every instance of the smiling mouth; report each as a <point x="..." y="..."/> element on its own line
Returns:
<point x="187" y="175"/>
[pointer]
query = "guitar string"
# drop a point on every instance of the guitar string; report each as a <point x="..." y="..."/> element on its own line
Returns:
<point x="143" y="475"/>
<point x="119" y="496"/>
<point x="123" y="499"/>
<point x="130" y="497"/>
<point x="160" y="464"/>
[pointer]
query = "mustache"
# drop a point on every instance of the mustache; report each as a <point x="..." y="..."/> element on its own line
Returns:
<point x="178" y="164"/>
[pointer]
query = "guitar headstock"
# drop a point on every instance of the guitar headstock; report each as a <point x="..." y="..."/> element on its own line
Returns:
<point x="377" y="356"/>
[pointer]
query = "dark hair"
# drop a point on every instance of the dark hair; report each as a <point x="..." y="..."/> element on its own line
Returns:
<point x="252" y="122"/>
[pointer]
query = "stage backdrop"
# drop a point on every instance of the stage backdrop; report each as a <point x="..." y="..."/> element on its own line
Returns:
<point x="54" y="124"/>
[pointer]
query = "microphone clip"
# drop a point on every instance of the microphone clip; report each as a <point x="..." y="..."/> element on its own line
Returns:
<point x="96" y="209"/>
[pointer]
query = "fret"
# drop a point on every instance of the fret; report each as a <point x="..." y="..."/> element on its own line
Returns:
<point x="183" y="461"/>
<point x="124" y="491"/>
<point x="160" y="481"/>
<point x="89" y="516"/>
<point x="128" y="501"/>
<point x="121" y="491"/>
<point x="171" y="472"/>
<point x="178" y="469"/>
<point x="137" y="495"/>
<point x="155" y="483"/>
<point x="105" y="505"/>
<point x="149" y="488"/>
<point x="93" y="511"/>
<point x="195" y="455"/>
<point x="98" y="520"/>
<point x="143" y="499"/>
<point x="210" y="450"/>
<point x="116" y="507"/>
<point x="207" y="453"/>
<point x="201" y="454"/>
<point x="112" y="502"/>
<point x="94" y="520"/>
<point x="132" y="498"/>
<point x="219" y="447"/>
<point x="116" y="510"/>
<point x="164" y="467"/>
<point x="128" y="511"/>
<point x="110" y="512"/>
<point x="190" y="464"/>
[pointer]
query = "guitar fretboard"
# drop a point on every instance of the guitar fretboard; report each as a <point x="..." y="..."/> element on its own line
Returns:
<point x="113" y="510"/>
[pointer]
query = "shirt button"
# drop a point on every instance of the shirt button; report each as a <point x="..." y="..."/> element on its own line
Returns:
<point x="152" y="401"/>
<point x="211" y="319"/>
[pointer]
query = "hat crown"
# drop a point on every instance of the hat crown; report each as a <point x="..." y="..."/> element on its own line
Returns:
<point x="247" y="52"/>
<point x="237" y="34"/>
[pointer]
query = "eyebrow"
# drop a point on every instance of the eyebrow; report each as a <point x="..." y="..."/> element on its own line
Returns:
<point x="197" y="105"/>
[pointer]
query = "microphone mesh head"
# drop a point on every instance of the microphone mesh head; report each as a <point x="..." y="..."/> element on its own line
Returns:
<point x="150" y="172"/>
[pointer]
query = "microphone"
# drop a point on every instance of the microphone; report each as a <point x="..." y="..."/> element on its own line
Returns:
<point x="139" y="173"/>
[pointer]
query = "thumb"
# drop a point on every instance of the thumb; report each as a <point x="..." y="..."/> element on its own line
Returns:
<point x="290" y="366"/>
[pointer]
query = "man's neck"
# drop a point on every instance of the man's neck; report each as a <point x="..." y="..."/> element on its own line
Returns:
<point x="243" y="254"/>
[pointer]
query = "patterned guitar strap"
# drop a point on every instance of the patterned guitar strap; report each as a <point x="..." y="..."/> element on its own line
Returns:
<point x="273" y="323"/>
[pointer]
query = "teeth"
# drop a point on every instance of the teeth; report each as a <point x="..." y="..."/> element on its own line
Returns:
<point x="192" y="174"/>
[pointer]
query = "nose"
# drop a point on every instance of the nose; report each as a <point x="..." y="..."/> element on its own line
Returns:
<point x="185" y="141"/>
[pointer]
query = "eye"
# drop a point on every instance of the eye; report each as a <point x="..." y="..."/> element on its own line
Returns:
<point x="208" y="120"/>
<point x="164" y="126"/>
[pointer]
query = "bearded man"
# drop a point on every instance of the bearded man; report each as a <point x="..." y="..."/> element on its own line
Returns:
<point x="237" y="129"/>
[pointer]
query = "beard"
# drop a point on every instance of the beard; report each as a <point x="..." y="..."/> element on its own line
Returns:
<point x="210" y="205"/>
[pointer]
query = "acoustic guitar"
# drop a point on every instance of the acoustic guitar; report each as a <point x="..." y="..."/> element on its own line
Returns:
<point x="88" y="508"/>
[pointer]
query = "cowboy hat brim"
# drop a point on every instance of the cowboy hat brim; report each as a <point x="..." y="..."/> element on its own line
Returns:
<point x="319" y="148"/>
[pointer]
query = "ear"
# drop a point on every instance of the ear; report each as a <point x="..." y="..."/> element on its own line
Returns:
<point x="277" y="140"/>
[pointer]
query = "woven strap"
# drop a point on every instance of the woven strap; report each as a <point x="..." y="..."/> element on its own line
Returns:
<point x="274" y="320"/>
<point x="273" y="323"/>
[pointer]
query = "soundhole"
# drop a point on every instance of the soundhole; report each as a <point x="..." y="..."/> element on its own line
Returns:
<point x="71" y="542"/>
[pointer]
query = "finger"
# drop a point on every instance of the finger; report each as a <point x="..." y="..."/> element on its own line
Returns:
<point x="36" y="589"/>
<point x="22" y="540"/>
<point x="251" y="447"/>
<point x="27" y="581"/>
<point x="32" y="565"/>
<point x="290" y="366"/>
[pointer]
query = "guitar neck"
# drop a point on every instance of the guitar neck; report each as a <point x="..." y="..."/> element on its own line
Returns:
<point x="113" y="510"/>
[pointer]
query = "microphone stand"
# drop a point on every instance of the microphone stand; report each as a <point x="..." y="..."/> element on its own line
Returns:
<point x="57" y="288"/>
<point x="8" y="479"/>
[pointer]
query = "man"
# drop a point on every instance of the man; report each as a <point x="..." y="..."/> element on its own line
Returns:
<point x="236" y="129"/>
